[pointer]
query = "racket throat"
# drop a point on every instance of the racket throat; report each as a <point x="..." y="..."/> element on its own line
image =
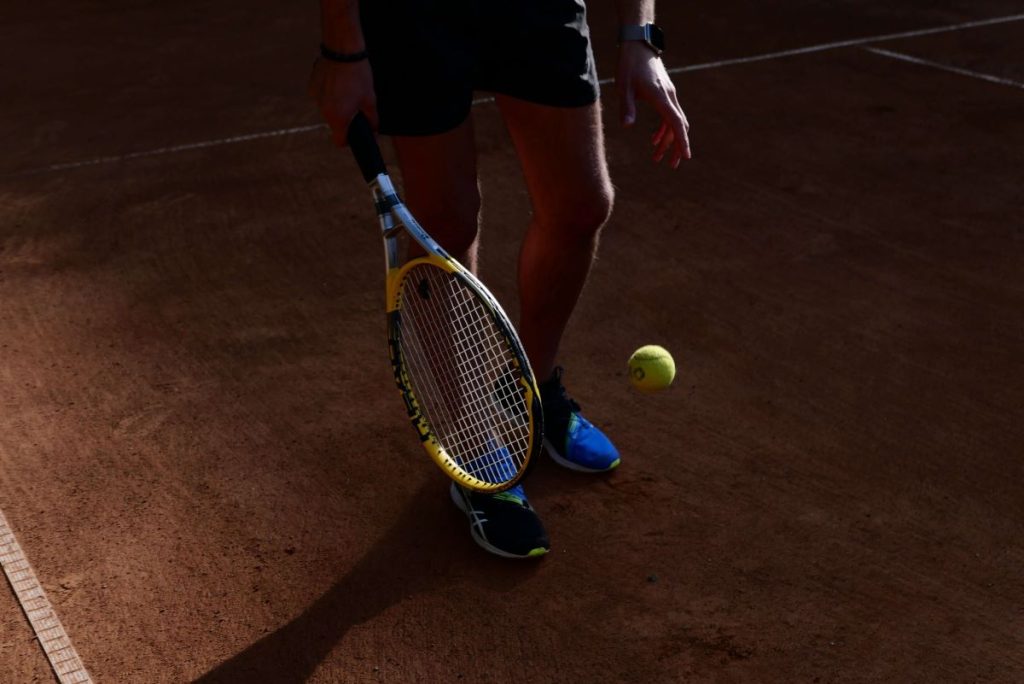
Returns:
<point x="385" y="198"/>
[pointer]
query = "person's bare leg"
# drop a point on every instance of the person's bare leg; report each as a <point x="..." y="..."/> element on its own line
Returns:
<point x="440" y="188"/>
<point x="439" y="174"/>
<point x="562" y="154"/>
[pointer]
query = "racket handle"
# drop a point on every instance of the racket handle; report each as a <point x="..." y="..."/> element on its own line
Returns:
<point x="364" y="146"/>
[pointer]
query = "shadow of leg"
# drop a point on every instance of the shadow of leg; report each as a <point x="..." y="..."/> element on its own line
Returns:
<point x="416" y="554"/>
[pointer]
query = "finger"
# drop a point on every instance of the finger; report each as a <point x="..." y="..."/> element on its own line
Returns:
<point x="685" y="133"/>
<point x="659" y="134"/>
<point x="672" y="116"/>
<point x="664" y="145"/>
<point x="668" y="120"/>
<point x="680" y="152"/>
<point x="369" y="108"/>
<point x="682" y="146"/>
<point x="682" y="114"/>
<point x="679" y="109"/>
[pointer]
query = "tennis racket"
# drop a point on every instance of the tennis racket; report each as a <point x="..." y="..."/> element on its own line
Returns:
<point x="458" y="362"/>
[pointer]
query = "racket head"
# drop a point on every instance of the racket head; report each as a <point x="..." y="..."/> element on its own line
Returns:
<point x="462" y="372"/>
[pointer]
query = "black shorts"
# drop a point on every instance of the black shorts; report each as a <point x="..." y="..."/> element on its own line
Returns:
<point x="428" y="56"/>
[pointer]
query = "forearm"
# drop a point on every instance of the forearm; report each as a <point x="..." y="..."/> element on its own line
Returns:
<point x="339" y="25"/>
<point x="635" y="12"/>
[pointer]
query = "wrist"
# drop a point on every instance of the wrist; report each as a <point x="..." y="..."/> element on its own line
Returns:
<point x="635" y="11"/>
<point x="340" y="30"/>
<point x="343" y="44"/>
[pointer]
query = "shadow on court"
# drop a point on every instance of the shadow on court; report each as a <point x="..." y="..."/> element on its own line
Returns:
<point x="412" y="557"/>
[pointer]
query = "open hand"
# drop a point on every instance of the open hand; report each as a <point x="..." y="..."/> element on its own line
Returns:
<point x="642" y="75"/>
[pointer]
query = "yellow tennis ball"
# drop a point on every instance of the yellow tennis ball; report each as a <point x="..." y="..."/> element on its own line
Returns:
<point x="651" y="368"/>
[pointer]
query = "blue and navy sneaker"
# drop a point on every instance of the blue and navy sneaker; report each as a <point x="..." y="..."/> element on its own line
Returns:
<point x="494" y="464"/>
<point x="572" y="440"/>
<point x="504" y="524"/>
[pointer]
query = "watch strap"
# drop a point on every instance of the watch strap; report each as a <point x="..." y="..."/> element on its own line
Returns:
<point x="649" y="34"/>
<point x="634" y="32"/>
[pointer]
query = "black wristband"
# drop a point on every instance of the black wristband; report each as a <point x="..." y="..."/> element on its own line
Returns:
<point x="344" y="58"/>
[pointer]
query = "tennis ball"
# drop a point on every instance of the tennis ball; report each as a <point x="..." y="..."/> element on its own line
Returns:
<point x="651" y="368"/>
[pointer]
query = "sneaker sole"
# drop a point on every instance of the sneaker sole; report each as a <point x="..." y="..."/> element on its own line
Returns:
<point x="553" y="453"/>
<point x="460" y="503"/>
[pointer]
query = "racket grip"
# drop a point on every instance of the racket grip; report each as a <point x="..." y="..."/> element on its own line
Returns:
<point x="364" y="146"/>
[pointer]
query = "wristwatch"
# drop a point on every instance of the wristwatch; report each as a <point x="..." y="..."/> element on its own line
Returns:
<point x="650" y="34"/>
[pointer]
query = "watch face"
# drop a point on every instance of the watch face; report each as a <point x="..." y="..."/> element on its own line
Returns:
<point x="657" y="38"/>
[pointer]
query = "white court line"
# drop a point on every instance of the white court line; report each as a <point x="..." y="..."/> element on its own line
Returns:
<point x="945" y="67"/>
<point x="173" y="148"/>
<point x="853" y="42"/>
<point x="821" y="47"/>
<point x="47" y="626"/>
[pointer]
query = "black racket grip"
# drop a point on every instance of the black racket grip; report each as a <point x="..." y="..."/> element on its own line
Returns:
<point x="364" y="146"/>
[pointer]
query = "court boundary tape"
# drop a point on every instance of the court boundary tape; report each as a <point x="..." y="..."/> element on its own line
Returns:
<point x="903" y="57"/>
<point x="49" y="630"/>
<point x="810" y="49"/>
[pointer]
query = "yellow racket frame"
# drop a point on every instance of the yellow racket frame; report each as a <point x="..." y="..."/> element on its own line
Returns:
<point x="395" y="217"/>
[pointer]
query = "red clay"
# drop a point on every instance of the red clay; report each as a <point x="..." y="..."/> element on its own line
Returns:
<point x="203" y="455"/>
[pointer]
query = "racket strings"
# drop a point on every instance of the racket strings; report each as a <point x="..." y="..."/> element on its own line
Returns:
<point x="464" y="374"/>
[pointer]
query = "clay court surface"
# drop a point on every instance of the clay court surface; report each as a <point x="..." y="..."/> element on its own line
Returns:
<point x="203" y="456"/>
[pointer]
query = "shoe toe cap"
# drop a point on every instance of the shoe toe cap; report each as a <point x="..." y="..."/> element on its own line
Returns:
<point x="591" y="448"/>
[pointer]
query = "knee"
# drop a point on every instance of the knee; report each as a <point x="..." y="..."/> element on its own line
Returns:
<point x="580" y="215"/>
<point x="453" y="221"/>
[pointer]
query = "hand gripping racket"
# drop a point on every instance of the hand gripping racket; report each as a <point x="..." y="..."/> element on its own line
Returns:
<point x="458" y="362"/>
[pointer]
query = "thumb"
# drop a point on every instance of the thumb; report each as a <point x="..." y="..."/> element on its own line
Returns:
<point x="627" y="105"/>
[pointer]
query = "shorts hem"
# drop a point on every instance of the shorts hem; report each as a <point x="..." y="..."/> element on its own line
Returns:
<point x="548" y="99"/>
